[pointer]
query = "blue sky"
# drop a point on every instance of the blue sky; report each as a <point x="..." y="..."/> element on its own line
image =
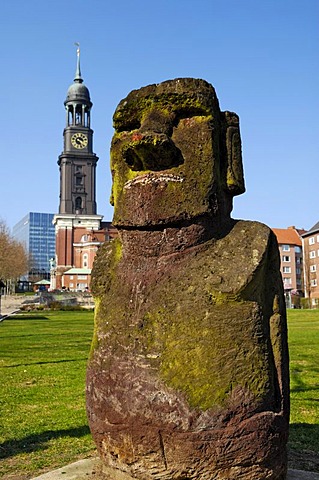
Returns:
<point x="261" y="57"/>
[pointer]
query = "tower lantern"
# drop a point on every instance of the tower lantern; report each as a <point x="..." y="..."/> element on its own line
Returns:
<point x="78" y="104"/>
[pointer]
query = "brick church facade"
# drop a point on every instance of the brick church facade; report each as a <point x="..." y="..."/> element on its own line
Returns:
<point x="79" y="229"/>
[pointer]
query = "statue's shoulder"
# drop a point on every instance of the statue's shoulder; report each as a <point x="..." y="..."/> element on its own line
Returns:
<point x="241" y="253"/>
<point x="251" y="233"/>
<point x="257" y="236"/>
<point x="244" y="236"/>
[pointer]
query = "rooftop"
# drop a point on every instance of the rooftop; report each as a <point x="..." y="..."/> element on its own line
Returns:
<point x="78" y="271"/>
<point x="288" y="236"/>
<point x="313" y="229"/>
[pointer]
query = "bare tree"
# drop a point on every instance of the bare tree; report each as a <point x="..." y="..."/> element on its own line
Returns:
<point x="13" y="258"/>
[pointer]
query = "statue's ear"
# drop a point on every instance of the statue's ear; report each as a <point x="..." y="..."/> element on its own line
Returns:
<point x="231" y="150"/>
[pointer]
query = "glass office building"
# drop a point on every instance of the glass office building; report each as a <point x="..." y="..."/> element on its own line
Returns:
<point x="37" y="233"/>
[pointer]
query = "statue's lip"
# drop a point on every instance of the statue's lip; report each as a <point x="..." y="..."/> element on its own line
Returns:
<point x="151" y="178"/>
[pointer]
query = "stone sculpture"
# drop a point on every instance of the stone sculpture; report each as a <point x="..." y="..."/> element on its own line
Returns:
<point x="188" y="374"/>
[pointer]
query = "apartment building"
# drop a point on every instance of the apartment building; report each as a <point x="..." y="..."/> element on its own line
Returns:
<point x="310" y="241"/>
<point x="291" y="262"/>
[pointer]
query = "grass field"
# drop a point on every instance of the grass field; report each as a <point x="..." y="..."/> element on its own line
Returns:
<point x="42" y="375"/>
<point x="304" y="383"/>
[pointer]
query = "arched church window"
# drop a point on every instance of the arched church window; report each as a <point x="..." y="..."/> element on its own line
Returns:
<point x="78" y="204"/>
<point x="85" y="261"/>
<point x="78" y="180"/>
<point x="87" y="117"/>
<point x="78" y="118"/>
<point x="70" y="117"/>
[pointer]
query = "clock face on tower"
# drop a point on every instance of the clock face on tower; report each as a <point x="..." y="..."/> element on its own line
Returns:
<point x="79" y="140"/>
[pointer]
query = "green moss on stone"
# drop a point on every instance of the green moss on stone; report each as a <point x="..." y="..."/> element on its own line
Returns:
<point x="131" y="111"/>
<point x="198" y="354"/>
<point x="201" y="337"/>
<point x="95" y="341"/>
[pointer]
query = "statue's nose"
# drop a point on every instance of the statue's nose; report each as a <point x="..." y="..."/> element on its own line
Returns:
<point x="151" y="151"/>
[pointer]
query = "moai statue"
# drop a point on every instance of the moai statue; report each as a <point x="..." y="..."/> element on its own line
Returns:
<point x="188" y="374"/>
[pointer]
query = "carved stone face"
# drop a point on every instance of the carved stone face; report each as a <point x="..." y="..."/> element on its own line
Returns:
<point x="174" y="155"/>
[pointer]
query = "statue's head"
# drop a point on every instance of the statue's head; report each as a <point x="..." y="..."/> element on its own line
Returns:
<point x="175" y="156"/>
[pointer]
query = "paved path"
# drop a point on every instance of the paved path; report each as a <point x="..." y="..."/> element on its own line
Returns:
<point x="10" y="304"/>
<point x="90" y="469"/>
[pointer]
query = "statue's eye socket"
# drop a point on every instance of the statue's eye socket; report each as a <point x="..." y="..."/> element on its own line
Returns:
<point x="127" y="126"/>
<point x="189" y="113"/>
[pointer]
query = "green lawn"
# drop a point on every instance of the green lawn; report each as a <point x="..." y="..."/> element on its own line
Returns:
<point x="42" y="401"/>
<point x="304" y="381"/>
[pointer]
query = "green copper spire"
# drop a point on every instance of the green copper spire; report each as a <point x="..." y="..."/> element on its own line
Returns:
<point x="78" y="77"/>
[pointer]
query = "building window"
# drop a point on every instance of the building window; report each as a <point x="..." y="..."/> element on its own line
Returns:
<point x="71" y="285"/>
<point x="287" y="281"/>
<point x="78" y="180"/>
<point x="313" y="268"/>
<point x="298" y="271"/>
<point x="317" y="238"/>
<point x="313" y="282"/>
<point x="286" y="269"/>
<point x="82" y="277"/>
<point x="85" y="260"/>
<point x="286" y="258"/>
<point x="311" y="240"/>
<point x="78" y="204"/>
<point x="71" y="277"/>
<point x="298" y="260"/>
<point x="286" y="248"/>
<point x="298" y="249"/>
<point x="312" y="254"/>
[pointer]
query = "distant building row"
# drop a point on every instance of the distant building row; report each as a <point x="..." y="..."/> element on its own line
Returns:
<point x="298" y="248"/>
<point x="63" y="246"/>
<point x="299" y="258"/>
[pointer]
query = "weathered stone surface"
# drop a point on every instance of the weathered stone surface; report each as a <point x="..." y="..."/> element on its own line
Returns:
<point x="188" y="375"/>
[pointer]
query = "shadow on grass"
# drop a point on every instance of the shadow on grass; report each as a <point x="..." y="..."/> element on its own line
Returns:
<point x="303" y="447"/>
<point x="299" y="385"/>
<point x="305" y="435"/>
<point x="33" y="443"/>
<point x="19" y="317"/>
<point x="81" y="359"/>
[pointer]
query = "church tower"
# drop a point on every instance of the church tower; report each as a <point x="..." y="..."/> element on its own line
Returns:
<point x="77" y="225"/>
<point x="78" y="162"/>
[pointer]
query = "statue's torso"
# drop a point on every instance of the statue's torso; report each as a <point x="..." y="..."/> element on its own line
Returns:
<point x="184" y="340"/>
